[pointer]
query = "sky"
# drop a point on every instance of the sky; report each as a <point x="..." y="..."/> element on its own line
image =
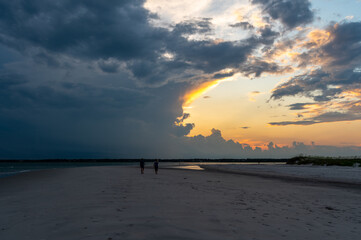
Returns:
<point x="180" y="79"/>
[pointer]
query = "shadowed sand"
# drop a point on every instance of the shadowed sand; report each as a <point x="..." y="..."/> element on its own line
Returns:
<point x="346" y="176"/>
<point x="120" y="203"/>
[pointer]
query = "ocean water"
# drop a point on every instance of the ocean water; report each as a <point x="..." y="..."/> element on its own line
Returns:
<point x="13" y="168"/>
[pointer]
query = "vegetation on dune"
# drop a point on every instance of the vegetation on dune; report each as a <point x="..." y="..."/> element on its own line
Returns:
<point x="325" y="161"/>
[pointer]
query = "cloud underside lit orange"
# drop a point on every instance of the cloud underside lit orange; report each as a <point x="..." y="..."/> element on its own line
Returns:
<point x="199" y="90"/>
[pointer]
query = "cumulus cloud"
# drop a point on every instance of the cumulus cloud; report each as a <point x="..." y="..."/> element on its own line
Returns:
<point x="291" y="13"/>
<point x="306" y="84"/>
<point x="339" y="49"/>
<point x="256" y="67"/>
<point x="334" y="83"/>
<point x="183" y="129"/>
<point x="215" y="146"/>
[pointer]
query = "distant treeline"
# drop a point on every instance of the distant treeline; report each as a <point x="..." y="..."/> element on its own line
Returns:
<point x="325" y="161"/>
<point x="137" y="160"/>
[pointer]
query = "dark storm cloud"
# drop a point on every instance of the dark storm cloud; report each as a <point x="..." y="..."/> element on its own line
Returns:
<point x="183" y="129"/>
<point x="8" y="80"/>
<point x="116" y="32"/>
<point x="75" y="87"/>
<point x="194" y="57"/>
<point x="109" y="66"/>
<point x="182" y="118"/>
<point x="46" y="59"/>
<point x="291" y="13"/>
<point x="84" y="28"/>
<point x="159" y="72"/>
<point x="17" y="94"/>
<point x="71" y="118"/>
<point x="212" y="57"/>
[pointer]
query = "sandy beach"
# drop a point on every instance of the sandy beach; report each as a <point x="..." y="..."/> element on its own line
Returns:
<point x="309" y="173"/>
<point x="120" y="203"/>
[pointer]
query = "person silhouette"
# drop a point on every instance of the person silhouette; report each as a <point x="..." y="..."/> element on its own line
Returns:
<point x="156" y="164"/>
<point x="141" y="166"/>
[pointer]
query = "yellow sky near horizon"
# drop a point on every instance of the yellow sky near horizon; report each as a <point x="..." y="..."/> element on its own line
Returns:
<point x="242" y="115"/>
<point x="240" y="107"/>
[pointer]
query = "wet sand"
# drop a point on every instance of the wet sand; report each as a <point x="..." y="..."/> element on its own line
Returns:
<point x="120" y="203"/>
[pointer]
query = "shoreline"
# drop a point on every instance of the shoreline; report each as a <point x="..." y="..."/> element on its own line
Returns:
<point x="10" y="168"/>
<point x="265" y="170"/>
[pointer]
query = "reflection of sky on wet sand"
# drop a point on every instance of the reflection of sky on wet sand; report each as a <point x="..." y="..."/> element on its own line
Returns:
<point x="190" y="167"/>
<point x="198" y="166"/>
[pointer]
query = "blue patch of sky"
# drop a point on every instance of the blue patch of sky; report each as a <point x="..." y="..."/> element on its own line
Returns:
<point x="336" y="10"/>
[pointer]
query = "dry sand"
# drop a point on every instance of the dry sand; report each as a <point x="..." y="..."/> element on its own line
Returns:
<point x="120" y="203"/>
<point x="330" y="174"/>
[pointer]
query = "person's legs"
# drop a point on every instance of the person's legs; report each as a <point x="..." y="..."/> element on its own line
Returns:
<point x="142" y="170"/>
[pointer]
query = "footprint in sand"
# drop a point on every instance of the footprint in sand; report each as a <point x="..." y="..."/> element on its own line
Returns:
<point x="330" y="208"/>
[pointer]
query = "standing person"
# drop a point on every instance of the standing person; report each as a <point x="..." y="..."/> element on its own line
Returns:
<point x="155" y="164"/>
<point x="141" y="166"/>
